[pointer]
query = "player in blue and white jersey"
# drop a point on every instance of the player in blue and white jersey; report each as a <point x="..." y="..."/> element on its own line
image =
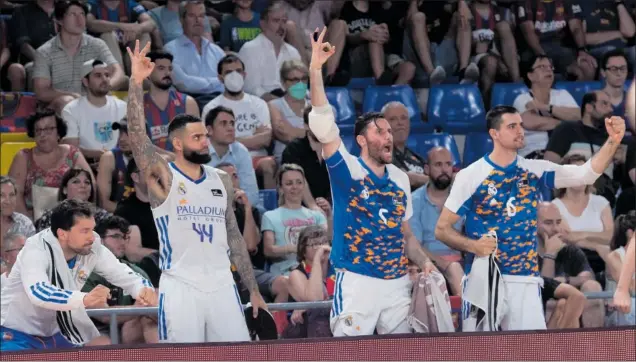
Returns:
<point x="193" y="209"/>
<point x="498" y="197"/>
<point x="371" y="205"/>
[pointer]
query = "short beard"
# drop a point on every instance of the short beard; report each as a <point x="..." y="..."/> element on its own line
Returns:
<point x="82" y="251"/>
<point x="197" y="158"/>
<point x="99" y="93"/>
<point x="163" y="86"/>
<point x="441" y="183"/>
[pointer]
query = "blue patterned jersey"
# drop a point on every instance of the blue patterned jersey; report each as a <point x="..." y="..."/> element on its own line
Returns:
<point x="504" y="201"/>
<point x="368" y="215"/>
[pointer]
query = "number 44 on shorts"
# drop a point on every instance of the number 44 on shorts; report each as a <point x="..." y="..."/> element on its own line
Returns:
<point x="204" y="231"/>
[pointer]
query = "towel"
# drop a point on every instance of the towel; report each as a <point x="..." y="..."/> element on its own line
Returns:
<point x="430" y="310"/>
<point x="75" y="325"/>
<point x="484" y="298"/>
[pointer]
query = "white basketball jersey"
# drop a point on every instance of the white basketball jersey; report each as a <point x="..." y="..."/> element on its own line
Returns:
<point x="192" y="231"/>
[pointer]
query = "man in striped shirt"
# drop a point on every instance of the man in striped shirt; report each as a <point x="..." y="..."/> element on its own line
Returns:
<point x="57" y="70"/>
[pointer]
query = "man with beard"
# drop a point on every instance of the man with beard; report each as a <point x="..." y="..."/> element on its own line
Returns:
<point x="498" y="196"/>
<point x="372" y="239"/>
<point x="42" y="303"/>
<point x="428" y="202"/>
<point x="162" y="102"/>
<point x="587" y="137"/>
<point x="111" y="173"/>
<point x="90" y="118"/>
<point x="193" y="210"/>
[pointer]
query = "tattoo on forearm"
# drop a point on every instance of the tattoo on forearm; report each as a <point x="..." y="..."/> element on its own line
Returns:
<point x="239" y="256"/>
<point x="144" y="152"/>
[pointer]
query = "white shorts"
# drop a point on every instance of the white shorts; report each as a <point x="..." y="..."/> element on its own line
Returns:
<point x="362" y="304"/>
<point x="189" y="315"/>
<point x="525" y="306"/>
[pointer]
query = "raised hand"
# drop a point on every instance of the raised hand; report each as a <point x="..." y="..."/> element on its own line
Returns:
<point x="615" y="126"/>
<point x="140" y="65"/>
<point x="320" y="51"/>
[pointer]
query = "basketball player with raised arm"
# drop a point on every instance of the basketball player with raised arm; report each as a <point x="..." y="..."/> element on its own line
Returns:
<point x="372" y="204"/>
<point x="198" y="300"/>
<point x="622" y="298"/>
<point x="498" y="196"/>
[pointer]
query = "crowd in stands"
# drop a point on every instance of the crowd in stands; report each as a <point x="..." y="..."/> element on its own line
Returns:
<point x="241" y="65"/>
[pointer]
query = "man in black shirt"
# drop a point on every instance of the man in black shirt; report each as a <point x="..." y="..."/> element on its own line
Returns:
<point x="135" y="207"/>
<point x="566" y="263"/>
<point x="609" y="25"/>
<point x="307" y="153"/>
<point x="31" y="26"/>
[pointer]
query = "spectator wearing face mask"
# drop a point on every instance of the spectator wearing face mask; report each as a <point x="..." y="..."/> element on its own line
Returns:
<point x="287" y="112"/>
<point x="253" y="123"/>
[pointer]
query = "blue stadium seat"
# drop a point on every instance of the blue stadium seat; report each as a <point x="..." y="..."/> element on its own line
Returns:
<point x="350" y="144"/>
<point x="628" y="83"/>
<point x="341" y="100"/>
<point x="506" y="93"/>
<point x="477" y="145"/>
<point x="456" y="109"/>
<point x="360" y="83"/>
<point x="426" y="141"/>
<point x="269" y="199"/>
<point x="377" y="96"/>
<point x="578" y="89"/>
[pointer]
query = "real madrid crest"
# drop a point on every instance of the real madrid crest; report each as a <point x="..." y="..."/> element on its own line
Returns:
<point x="364" y="194"/>
<point x="181" y="188"/>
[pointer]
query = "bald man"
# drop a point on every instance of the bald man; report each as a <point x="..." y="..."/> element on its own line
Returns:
<point x="566" y="263"/>
<point x="404" y="158"/>
<point x="428" y="202"/>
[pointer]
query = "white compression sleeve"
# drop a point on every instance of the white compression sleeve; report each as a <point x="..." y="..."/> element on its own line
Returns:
<point x="322" y="123"/>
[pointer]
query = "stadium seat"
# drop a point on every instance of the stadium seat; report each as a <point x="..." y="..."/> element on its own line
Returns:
<point x="426" y="141"/>
<point x="477" y="145"/>
<point x="506" y="93"/>
<point x="360" y="83"/>
<point x="578" y="89"/>
<point x="377" y="96"/>
<point x="8" y="150"/>
<point x="269" y="199"/>
<point x="341" y="100"/>
<point x="14" y="137"/>
<point x="456" y="109"/>
<point x="350" y="144"/>
<point x="15" y="107"/>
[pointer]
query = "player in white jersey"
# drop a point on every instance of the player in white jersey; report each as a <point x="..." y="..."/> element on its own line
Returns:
<point x="42" y="303"/>
<point x="498" y="195"/>
<point x="372" y="204"/>
<point x="198" y="234"/>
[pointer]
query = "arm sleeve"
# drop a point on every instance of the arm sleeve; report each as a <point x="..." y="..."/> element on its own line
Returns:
<point x="34" y="263"/>
<point x="459" y="200"/>
<point x="563" y="176"/>
<point x="104" y="53"/>
<point x="267" y="224"/>
<point x="247" y="176"/>
<point x="415" y="221"/>
<point x="561" y="139"/>
<point x="72" y="123"/>
<point x="119" y="274"/>
<point x="41" y="66"/>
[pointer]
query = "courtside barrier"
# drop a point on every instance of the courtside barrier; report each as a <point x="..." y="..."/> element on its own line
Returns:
<point x="114" y="312"/>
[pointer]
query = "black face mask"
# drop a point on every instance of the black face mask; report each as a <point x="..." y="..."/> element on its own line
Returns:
<point x="442" y="182"/>
<point x="197" y="158"/>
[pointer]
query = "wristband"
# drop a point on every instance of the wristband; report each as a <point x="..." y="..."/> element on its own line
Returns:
<point x="549" y="256"/>
<point x="582" y="49"/>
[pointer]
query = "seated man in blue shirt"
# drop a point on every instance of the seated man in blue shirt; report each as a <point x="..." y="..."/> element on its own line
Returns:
<point x="195" y="57"/>
<point x="428" y="202"/>
<point x="119" y="23"/>
<point x="224" y="148"/>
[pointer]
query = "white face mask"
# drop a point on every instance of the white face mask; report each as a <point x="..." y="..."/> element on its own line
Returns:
<point x="233" y="82"/>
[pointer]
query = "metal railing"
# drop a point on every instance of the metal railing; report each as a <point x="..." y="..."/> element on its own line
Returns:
<point x="139" y="311"/>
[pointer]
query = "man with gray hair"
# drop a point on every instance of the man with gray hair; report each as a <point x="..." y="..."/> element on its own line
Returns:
<point x="403" y="157"/>
<point x="12" y="243"/>
<point x="195" y="57"/>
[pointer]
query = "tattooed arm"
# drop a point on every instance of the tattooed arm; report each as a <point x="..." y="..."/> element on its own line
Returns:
<point x="153" y="167"/>
<point x="238" y="249"/>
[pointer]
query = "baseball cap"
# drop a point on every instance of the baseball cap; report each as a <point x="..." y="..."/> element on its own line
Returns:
<point x="122" y="125"/>
<point x="89" y="65"/>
